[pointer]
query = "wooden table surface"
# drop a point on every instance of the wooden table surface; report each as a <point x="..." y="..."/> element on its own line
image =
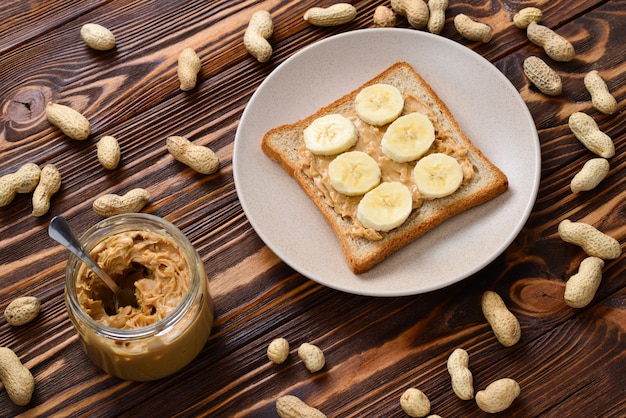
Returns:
<point x="569" y="362"/>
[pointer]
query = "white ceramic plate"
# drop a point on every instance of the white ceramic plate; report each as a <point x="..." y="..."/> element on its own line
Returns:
<point x="487" y="107"/>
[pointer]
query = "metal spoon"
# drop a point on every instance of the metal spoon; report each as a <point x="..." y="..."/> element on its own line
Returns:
<point x="60" y="231"/>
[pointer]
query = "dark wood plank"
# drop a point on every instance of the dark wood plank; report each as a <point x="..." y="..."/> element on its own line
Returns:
<point x="26" y="20"/>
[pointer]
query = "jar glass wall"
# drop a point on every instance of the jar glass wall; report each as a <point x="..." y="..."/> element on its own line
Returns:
<point x="174" y="316"/>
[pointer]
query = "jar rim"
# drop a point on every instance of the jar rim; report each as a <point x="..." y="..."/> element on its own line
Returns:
<point x="158" y="225"/>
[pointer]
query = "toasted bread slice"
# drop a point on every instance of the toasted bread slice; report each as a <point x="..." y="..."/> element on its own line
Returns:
<point x="283" y="145"/>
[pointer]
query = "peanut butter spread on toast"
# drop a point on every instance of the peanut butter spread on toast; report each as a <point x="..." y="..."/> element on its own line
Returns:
<point x="369" y="141"/>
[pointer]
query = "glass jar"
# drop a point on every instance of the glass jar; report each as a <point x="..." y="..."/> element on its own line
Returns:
<point x="157" y="349"/>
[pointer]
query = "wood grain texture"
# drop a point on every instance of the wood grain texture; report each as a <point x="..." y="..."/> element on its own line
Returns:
<point x="569" y="362"/>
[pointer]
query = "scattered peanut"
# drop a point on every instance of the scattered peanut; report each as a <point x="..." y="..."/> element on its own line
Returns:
<point x="68" y="120"/>
<point x="255" y="39"/>
<point x="7" y="189"/>
<point x="112" y="204"/>
<point x="437" y="15"/>
<point x="49" y="184"/>
<point x="460" y="374"/>
<point x="504" y="324"/>
<point x="526" y="15"/>
<point x="97" y="37"/>
<point x="581" y="288"/>
<point x="557" y="47"/>
<point x="188" y="68"/>
<point x="498" y="396"/>
<point x="278" y="350"/>
<point x="200" y="158"/>
<point x="415" y="403"/>
<point x="24" y="180"/>
<point x="312" y="357"/>
<point x="337" y="14"/>
<point x="22" y="310"/>
<point x="601" y="98"/>
<point x="471" y="29"/>
<point x="17" y="379"/>
<point x="290" y="406"/>
<point x="108" y="152"/>
<point x="592" y="173"/>
<point x="542" y="76"/>
<point x="592" y="241"/>
<point x="586" y="130"/>
<point x="384" y="17"/>
<point x="415" y="11"/>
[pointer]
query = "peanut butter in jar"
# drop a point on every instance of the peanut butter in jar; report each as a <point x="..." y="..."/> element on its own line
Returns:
<point x="174" y="314"/>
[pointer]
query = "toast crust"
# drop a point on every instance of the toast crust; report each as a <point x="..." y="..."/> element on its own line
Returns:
<point x="282" y="143"/>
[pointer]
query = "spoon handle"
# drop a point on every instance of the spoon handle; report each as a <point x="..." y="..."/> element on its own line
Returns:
<point x="60" y="231"/>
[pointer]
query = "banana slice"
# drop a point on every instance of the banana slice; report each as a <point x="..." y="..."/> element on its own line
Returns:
<point x="408" y="137"/>
<point x="437" y="175"/>
<point x="379" y="104"/>
<point x="385" y="207"/>
<point x="354" y="173"/>
<point x="330" y="135"/>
